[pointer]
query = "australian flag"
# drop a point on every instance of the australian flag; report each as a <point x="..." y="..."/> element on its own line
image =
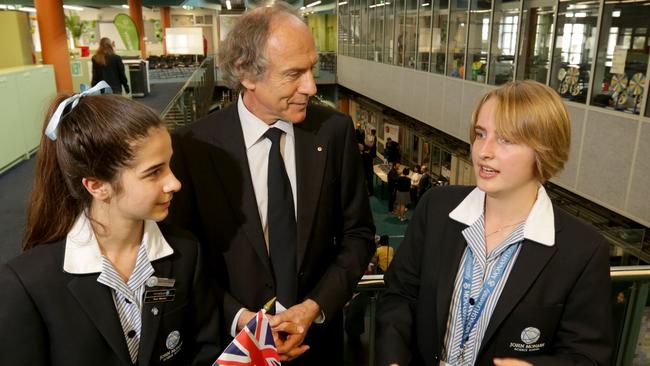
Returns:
<point x="253" y="346"/>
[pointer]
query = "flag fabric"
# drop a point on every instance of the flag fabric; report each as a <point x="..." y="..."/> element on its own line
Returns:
<point x="253" y="346"/>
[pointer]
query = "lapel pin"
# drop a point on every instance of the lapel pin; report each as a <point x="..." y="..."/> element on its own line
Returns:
<point x="154" y="311"/>
<point x="154" y="281"/>
<point x="319" y="148"/>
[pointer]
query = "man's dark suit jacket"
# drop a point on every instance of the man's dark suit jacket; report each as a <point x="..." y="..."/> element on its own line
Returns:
<point x="563" y="290"/>
<point x="50" y="317"/>
<point x="335" y="231"/>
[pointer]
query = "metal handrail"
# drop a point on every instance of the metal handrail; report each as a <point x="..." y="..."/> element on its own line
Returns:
<point x="617" y="273"/>
<point x="192" y="101"/>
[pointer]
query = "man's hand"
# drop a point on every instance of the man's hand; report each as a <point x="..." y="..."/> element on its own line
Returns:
<point x="290" y="328"/>
<point x="244" y="318"/>
<point x="510" y="362"/>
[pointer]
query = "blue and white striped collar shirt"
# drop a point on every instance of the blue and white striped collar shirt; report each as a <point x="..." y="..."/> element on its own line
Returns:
<point x="83" y="256"/>
<point x="538" y="227"/>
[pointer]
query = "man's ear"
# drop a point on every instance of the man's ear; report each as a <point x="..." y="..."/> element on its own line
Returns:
<point x="99" y="189"/>
<point x="248" y="83"/>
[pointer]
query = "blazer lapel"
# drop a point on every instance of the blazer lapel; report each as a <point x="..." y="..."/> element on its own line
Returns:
<point x="311" y="156"/>
<point x="235" y="176"/>
<point x="151" y="321"/>
<point x="97" y="302"/>
<point x="531" y="261"/>
<point x="450" y="262"/>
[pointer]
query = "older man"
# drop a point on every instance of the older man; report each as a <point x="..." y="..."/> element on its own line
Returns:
<point x="273" y="188"/>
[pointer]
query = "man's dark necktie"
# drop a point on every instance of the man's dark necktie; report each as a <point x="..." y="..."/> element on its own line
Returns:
<point x="281" y="222"/>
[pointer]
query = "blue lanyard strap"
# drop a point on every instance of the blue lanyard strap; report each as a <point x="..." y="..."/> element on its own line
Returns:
<point x="470" y="317"/>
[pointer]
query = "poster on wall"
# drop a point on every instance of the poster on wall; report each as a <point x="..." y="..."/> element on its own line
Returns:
<point x="391" y="131"/>
<point x="128" y="33"/>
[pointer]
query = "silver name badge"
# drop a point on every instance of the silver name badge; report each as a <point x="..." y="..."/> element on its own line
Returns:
<point x="154" y="281"/>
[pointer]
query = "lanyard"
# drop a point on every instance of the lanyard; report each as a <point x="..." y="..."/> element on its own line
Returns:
<point x="470" y="317"/>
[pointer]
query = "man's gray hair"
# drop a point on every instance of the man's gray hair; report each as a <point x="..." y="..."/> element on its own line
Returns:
<point x="242" y="54"/>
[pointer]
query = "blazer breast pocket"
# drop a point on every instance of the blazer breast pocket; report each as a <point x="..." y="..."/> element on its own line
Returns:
<point x="528" y="331"/>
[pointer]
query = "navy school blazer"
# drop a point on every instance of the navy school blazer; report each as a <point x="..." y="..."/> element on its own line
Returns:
<point x="563" y="291"/>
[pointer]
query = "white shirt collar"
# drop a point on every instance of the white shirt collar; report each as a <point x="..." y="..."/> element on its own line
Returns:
<point x="253" y="127"/>
<point x="540" y="223"/>
<point x="82" y="254"/>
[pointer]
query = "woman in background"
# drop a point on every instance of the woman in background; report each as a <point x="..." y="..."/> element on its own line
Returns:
<point x="496" y="274"/>
<point x="108" y="66"/>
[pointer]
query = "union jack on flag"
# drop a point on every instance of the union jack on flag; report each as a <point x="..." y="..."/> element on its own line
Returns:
<point x="253" y="346"/>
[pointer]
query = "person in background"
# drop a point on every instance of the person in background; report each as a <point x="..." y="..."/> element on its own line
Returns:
<point x="391" y="178"/>
<point x="100" y="281"/>
<point x="108" y="66"/>
<point x="384" y="254"/>
<point x="366" y="163"/>
<point x="425" y="181"/>
<point x="415" y="181"/>
<point x="371" y="143"/>
<point x="403" y="193"/>
<point x="360" y="134"/>
<point x="496" y="274"/>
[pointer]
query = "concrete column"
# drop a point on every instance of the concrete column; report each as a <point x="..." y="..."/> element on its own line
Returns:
<point x="54" y="41"/>
<point x="135" y="11"/>
<point x="165" y="21"/>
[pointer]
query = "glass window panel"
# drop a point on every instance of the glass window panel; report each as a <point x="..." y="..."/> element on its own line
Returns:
<point x="424" y="35"/>
<point x="344" y="28"/>
<point x="620" y="77"/>
<point x="439" y="35"/>
<point x="435" y="161"/>
<point x="389" y="33"/>
<point x="574" y="49"/>
<point x="537" y="34"/>
<point x="504" y="42"/>
<point x="399" y="32"/>
<point x="379" y="33"/>
<point x="426" y="154"/>
<point x="363" y="41"/>
<point x="354" y="24"/>
<point x="372" y="32"/>
<point x="410" y="31"/>
<point x="478" y="42"/>
<point x="457" y="38"/>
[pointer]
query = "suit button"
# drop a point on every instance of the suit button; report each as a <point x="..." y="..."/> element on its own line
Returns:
<point x="131" y="333"/>
<point x="301" y="274"/>
<point x="436" y="357"/>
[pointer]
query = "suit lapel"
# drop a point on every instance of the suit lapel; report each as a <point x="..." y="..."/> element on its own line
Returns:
<point x="151" y="321"/>
<point x="97" y="302"/>
<point x="531" y="261"/>
<point x="234" y="174"/>
<point x="311" y="156"/>
<point x="450" y="262"/>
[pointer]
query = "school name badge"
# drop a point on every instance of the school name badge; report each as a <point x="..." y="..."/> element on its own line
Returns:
<point x="529" y="338"/>
<point x="159" y="290"/>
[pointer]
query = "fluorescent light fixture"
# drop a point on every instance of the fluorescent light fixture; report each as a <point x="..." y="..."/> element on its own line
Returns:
<point x="27" y="9"/>
<point x="7" y="7"/>
<point x="616" y="13"/>
<point x="343" y="3"/>
<point x="72" y="7"/>
<point x="378" y="5"/>
<point x="313" y="4"/>
<point x="569" y="14"/>
<point x="581" y="15"/>
<point x="125" y="6"/>
<point x="228" y="5"/>
<point x="426" y="4"/>
<point x="302" y="8"/>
